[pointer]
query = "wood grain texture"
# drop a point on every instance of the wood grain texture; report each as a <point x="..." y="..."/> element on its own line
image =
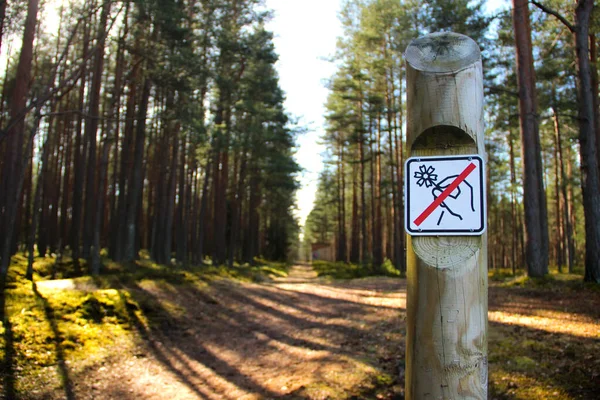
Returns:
<point x="447" y="276"/>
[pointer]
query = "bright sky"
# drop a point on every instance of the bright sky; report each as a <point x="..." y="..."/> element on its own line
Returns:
<point x="305" y="34"/>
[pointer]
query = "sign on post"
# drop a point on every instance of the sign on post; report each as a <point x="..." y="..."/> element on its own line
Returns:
<point x="445" y="195"/>
<point x="445" y="218"/>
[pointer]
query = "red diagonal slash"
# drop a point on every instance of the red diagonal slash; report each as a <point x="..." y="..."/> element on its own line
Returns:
<point x="436" y="203"/>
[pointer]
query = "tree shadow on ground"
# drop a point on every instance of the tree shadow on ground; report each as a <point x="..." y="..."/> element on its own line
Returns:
<point x="529" y="359"/>
<point x="63" y="370"/>
<point x="7" y="371"/>
<point x="244" y="336"/>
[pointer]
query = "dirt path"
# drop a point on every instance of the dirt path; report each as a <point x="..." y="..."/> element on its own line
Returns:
<point x="297" y="337"/>
<point x="302" y="337"/>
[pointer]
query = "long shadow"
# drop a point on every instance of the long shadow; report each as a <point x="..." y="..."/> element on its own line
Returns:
<point x="558" y="358"/>
<point x="545" y="299"/>
<point x="8" y="373"/>
<point x="60" y="354"/>
<point x="199" y="353"/>
<point x="149" y="341"/>
<point x="346" y="302"/>
<point x="245" y="298"/>
<point x="231" y="319"/>
<point x="228" y="318"/>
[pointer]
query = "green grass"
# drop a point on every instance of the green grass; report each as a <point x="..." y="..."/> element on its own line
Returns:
<point x="79" y="319"/>
<point x="554" y="280"/>
<point x="341" y="270"/>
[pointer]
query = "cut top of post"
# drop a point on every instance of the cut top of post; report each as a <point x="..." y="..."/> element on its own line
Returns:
<point x="442" y="52"/>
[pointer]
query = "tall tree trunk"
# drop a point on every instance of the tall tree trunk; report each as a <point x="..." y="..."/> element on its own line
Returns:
<point x="202" y="218"/>
<point x="398" y="135"/>
<point x="237" y="203"/>
<point x="342" y="239"/>
<point x="79" y="163"/>
<point x="36" y="207"/>
<point x="559" y="240"/>
<point x="594" y="77"/>
<point x="15" y="163"/>
<point x="137" y="176"/>
<point x="534" y="197"/>
<point x="513" y="202"/>
<point x="590" y="181"/>
<point x="570" y="245"/>
<point x="355" y="240"/>
<point x="182" y="207"/>
<point x="91" y="128"/>
<point x="379" y="243"/>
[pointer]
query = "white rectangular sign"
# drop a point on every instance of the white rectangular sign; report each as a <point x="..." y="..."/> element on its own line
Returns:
<point x="445" y="195"/>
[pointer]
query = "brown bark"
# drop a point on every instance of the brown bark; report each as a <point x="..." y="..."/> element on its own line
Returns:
<point x="569" y="236"/>
<point x="513" y="202"/>
<point x="137" y="176"/>
<point x="594" y="77"/>
<point x="355" y="239"/>
<point x="91" y="128"/>
<point x="79" y="166"/>
<point x="587" y="139"/>
<point x="237" y="204"/>
<point x="534" y="197"/>
<point x="15" y="163"/>
<point x="342" y="239"/>
<point x="378" y="239"/>
<point x="558" y="233"/>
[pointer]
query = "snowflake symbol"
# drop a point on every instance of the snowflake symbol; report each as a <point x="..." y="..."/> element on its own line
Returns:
<point x="426" y="176"/>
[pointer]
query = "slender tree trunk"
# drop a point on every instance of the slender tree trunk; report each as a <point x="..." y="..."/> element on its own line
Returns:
<point x="594" y="77"/>
<point x="237" y="205"/>
<point x="342" y="239"/>
<point x="79" y="165"/>
<point x="202" y="218"/>
<point x="137" y="176"/>
<point x="379" y="243"/>
<point x="36" y="208"/>
<point x="183" y="204"/>
<point x="513" y="201"/>
<point x="587" y="139"/>
<point x="14" y="166"/>
<point x="399" y="155"/>
<point x="355" y="240"/>
<point x="534" y="195"/>
<point x="570" y="246"/>
<point x="559" y="240"/>
<point x="91" y="128"/>
<point x="172" y="188"/>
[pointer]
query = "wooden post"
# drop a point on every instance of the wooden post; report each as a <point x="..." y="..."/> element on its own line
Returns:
<point x="446" y="351"/>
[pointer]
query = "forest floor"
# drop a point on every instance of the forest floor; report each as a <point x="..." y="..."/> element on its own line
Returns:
<point x="297" y="337"/>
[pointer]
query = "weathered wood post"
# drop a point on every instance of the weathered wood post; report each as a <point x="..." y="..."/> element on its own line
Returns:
<point x="446" y="354"/>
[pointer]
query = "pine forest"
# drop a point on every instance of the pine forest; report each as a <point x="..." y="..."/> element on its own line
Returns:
<point x="156" y="241"/>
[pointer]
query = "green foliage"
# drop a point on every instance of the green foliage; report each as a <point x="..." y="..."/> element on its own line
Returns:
<point x="80" y="319"/>
<point x="341" y="270"/>
<point x="388" y="269"/>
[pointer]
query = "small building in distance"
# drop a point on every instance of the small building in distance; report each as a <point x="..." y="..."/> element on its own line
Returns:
<point x="322" y="252"/>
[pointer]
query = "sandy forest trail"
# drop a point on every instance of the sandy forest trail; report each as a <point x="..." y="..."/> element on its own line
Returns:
<point x="304" y="337"/>
<point x="294" y="337"/>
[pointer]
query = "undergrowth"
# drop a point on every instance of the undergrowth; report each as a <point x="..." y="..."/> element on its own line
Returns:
<point x="50" y="323"/>
<point x="342" y="270"/>
<point x="554" y="280"/>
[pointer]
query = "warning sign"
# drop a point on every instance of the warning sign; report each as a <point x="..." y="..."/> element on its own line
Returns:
<point x="445" y="195"/>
